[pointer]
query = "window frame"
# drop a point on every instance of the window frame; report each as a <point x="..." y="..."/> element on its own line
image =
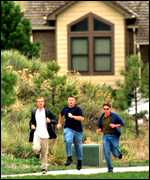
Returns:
<point x="91" y="35"/>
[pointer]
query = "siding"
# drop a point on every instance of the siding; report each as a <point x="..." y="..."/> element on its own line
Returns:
<point x="47" y="42"/>
<point x="101" y="9"/>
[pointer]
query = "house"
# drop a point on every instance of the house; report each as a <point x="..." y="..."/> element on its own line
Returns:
<point x="90" y="37"/>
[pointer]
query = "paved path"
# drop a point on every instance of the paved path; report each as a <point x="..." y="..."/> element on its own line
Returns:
<point x="85" y="171"/>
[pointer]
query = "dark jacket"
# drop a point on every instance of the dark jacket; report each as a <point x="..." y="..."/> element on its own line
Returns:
<point x="50" y="126"/>
<point x="115" y="119"/>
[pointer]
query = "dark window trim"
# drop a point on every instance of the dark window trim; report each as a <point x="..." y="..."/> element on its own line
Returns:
<point x="91" y="34"/>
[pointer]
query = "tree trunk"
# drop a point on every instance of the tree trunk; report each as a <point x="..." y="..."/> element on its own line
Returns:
<point x="136" y="120"/>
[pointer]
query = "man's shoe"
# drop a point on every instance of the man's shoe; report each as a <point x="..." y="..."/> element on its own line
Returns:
<point x="110" y="171"/>
<point x="69" y="161"/>
<point x="120" y="156"/>
<point x="44" y="171"/>
<point x="79" y="164"/>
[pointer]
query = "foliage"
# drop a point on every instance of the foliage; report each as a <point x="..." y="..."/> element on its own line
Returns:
<point x="91" y="98"/>
<point x="144" y="86"/>
<point x="125" y="93"/>
<point x="16" y="30"/>
<point x="8" y="82"/>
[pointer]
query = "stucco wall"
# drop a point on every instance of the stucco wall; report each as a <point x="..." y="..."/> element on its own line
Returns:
<point x="103" y="10"/>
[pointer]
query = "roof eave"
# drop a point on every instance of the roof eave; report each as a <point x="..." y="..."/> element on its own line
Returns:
<point x="52" y="16"/>
<point x="127" y="13"/>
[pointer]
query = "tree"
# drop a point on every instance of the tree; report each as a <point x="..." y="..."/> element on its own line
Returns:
<point x="129" y="89"/>
<point x="16" y="30"/>
<point x="8" y="82"/>
<point x="144" y="86"/>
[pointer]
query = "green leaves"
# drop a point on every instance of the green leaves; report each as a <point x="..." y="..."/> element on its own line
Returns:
<point x="8" y="81"/>
<point x="16" y="30"/>
<point x="125" y="92"/>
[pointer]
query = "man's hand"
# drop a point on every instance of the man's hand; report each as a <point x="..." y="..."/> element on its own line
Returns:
<point x="48" y="120"/>
<point x="114" y="125"/>
<point x="70" y="115"/>
<point x="99" y="131"/>
<point x="32" y="126"/>
<point x="58" y="126"/>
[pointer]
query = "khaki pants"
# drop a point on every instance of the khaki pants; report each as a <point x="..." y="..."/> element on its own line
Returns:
<point x="40" y="145"/>
<point x="51" y="146"/>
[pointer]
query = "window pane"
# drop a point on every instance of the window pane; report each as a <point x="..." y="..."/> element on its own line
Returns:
<point x="101" y="26"/>
<point x="79" y="63"/>
<point x="102" y="46"/>
<point x="102" y="63"/>
<point x="80" y="26"/>
<point x="79" y="46"/>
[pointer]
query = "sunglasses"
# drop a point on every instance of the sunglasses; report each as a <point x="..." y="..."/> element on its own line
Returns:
<point x="106" y="109"/>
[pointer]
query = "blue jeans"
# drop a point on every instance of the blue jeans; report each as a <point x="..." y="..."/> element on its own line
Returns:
<point x="71" y="136"/>
<point x="110" y="145"/>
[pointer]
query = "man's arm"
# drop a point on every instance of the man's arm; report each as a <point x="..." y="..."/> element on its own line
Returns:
<point x="99" y="131"/>
<point x="114" y="125"/>
<point x="32" y="124"/>
<point x="99" y="124"/>
<point x="118" y="121"/>
<point x="50" y="117"/>
<point x="60" y="121"/>
<point x="78" y="118"/>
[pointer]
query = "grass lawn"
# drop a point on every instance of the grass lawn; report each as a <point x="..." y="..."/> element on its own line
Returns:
<point x="12" y="165"/>
<point x="129" y="175"/>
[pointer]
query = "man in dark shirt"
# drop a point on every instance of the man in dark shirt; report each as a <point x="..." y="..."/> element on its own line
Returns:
<point x="71" y="117"/>
<point x="109" y="123"/>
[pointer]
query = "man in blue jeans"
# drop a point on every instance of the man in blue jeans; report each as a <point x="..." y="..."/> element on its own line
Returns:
<point x="71" y="117"/>
<point x="109" y="123"/>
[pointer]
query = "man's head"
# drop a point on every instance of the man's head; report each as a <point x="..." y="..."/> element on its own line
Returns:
<point x="107" y="109"/>
<point x="71" y="101"/>
<point x="40" y="102"/>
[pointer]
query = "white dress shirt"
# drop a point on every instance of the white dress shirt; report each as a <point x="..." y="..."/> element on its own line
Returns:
<point x="41" y="125"/>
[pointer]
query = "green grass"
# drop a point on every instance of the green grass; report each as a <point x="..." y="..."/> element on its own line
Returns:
<point x="13" y="165"/>
<point x="129" y="175"/>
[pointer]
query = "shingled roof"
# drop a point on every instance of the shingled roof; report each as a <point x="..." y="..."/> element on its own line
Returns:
<point x="141" y="8"/>
<point x="39" y="11"/>
<point x="36" y="11"/>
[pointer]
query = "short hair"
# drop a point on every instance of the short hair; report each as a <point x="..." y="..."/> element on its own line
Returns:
<point x="72" y="97"/>
<point x="40" y="97"/>
<point x="107" y="104"/>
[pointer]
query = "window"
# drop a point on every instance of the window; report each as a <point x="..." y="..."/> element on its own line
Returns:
<point x="79" y="49"/>
<point x="80" y="26"/>
<point x="102" y="54"/>
<point x="100" y="26"/>
<point x="91" y="45"/>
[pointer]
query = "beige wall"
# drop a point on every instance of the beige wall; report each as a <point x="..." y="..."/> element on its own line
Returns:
<point x="101" y="9"/>
<point x="22" y="4"/>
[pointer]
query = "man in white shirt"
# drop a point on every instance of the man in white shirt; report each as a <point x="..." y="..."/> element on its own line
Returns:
<point x="42" y="125"/>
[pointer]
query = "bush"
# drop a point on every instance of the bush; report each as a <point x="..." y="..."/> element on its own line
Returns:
<point x="15" y="59"/>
